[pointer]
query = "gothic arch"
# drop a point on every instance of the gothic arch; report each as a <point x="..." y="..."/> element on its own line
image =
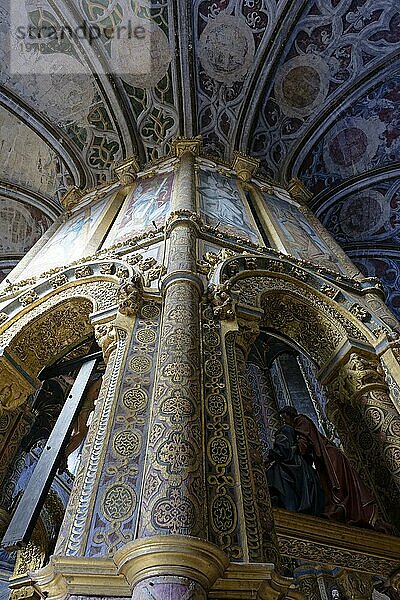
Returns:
<point x="290" y="301"/>
<point x="48" y="319"/>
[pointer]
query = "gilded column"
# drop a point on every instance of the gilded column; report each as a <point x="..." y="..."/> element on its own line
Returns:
<point x="359" y="384"/>
<point x="173" y="496"/>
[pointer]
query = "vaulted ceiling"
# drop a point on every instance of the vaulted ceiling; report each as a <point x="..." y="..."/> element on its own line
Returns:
<point x="312" y="88"/>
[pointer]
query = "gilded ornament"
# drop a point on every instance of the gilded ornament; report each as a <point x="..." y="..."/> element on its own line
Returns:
<point x="146" y="336"/>
<point x="107" y="268"/>
<point x="329" y="291"/>
<point x="127" y="170"/>
<point x="360" y="313"/>
<point x="245" y="166"/>
<point x="106" y="337"/>
<point x="140" y="363"/>
<point x="58" y="280"/>
<point x="135" y="399"/>
<point x="118" y="502"/>
<point x="28" y="298"/>
<point x="223" y="305"/>
<point x="127" y="443"/>
<point x="84" y="271"/>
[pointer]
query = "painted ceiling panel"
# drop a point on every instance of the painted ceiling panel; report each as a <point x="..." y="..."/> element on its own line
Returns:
<point x="26" y="159"/>
<point x="365" y="137"/>
<point x="334" y="45"/>
<point x="370" y="215"/>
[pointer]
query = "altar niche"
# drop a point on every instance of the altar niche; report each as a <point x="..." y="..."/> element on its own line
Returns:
<point x="306" y="467"/>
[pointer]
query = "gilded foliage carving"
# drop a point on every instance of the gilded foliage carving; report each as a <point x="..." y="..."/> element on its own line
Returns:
<point x="325" y="554"/>
<point x="251" y="291"/>
<point x="102" y="295"/>
<point x="303" y="324"/>
<point x="54" y="332"/>
<point x="71" y="540"/>
<point x="223" y="305"/>
<point x="359" y="385"/>
<point x="129" y="294"/>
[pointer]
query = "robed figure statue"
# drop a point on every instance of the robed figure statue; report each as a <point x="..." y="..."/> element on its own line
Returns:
<point x="332" y="489"/>
<point x="347" y="498"/>
<point x="292" y="480"/>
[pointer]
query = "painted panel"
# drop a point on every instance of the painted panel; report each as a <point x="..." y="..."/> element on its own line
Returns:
<point x="69" y="243"/>
<point x="298" y="235"/>
<point x="149" y="202"/>
<point x="222" y="201"/>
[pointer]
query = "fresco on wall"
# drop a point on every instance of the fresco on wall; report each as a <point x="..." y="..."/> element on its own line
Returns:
<point x="221" y="202"/>
<point x="299" y="237"/>
<point x="21" y="226"/>
<point x="69" y="242"/>
<point x="148" y="203"/>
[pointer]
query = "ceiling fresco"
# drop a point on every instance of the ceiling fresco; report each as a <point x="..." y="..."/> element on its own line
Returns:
<point x="310" y="87"/>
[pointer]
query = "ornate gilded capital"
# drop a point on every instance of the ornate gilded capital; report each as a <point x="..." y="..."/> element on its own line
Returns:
<point x="127" y="170"/>
<point x="183" y="145"/>
<point x="180" y="555"/>
<point x="106" y="337"/>
<point x="14" y="387"/>
<point x="245" y="166"/>
<point x="299" y="191"/>
<point x="72" y="197"/>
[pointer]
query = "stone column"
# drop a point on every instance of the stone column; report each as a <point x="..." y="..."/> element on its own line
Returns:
<point x="257" y="518"/>
<point x="173" y="497"/>
<point x="358" y="385"/>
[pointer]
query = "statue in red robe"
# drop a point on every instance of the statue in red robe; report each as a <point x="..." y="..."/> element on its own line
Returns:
<point x="347" y="498"/>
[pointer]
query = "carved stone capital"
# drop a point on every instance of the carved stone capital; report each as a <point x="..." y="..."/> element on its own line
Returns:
<point x="72" y="197"/>
<point x="127" y="170"/>
<point x="245" y="166"/>
<point x="14" y="387"/>
<point x="183" y="145"/>
<point x="223" y="304"/>
<point x="355" y="376"/>
<point x="179" y="555"/>
<point x="106" y="337"/>
<point x="299" y="191"/>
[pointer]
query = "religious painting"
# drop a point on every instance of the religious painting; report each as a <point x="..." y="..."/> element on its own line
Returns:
<point x="145" y="207"/>
<point x="223" y="204"/>
<point x="298" y="236"/>
<point x="70" y="242"/>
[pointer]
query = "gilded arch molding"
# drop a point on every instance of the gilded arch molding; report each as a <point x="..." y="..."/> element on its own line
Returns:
<point x="49" y="319"/>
